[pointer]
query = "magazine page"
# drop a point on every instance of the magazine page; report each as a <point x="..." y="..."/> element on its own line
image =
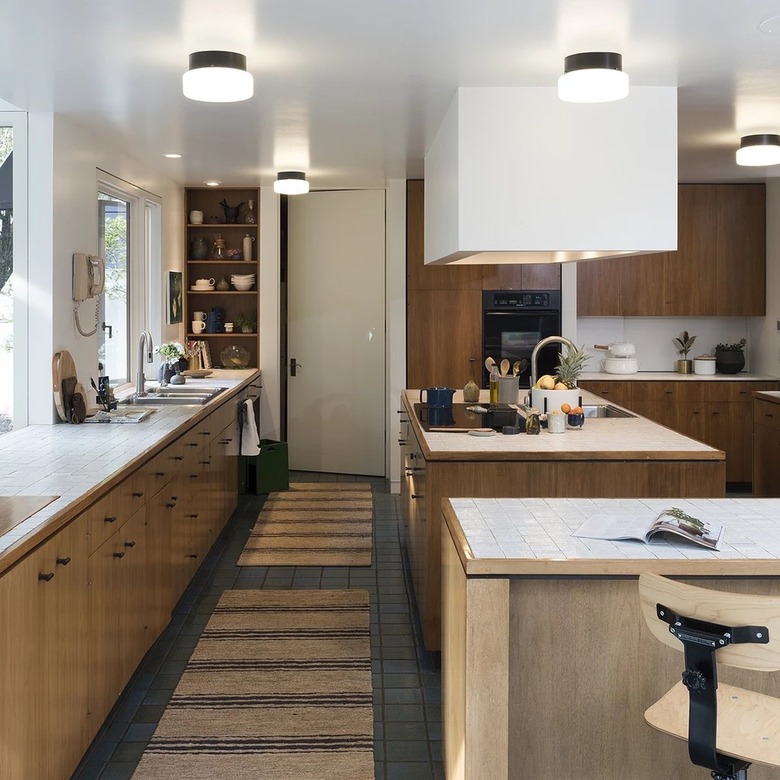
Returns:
<point x="671" y="521"/>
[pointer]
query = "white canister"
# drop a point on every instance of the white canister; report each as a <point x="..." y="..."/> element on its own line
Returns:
<point x="196" y="217"/>
<point x="704" y="365"/>
<point x="556" y="422"/>
<point x="247" y="246"/>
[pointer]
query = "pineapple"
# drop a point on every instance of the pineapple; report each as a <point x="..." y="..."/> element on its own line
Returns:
<point x="571" y="366"/>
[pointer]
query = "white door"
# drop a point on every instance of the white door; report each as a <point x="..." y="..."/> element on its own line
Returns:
<point x="336" y="332"/>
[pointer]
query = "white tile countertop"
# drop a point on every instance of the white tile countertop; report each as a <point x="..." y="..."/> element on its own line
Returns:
<point x="673" y="376"/>
<point x="604" y="438"/>
<point x="71" y="460"/>
<point x="533" y="536"/>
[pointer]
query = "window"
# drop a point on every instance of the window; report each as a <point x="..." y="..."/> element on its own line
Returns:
<point x="129" y="239"/>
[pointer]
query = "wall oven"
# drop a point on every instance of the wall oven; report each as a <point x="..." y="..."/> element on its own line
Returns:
<point x="514" y="322"/>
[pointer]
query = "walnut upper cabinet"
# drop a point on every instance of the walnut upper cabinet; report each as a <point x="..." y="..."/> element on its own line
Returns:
<point x="717" y="270"/>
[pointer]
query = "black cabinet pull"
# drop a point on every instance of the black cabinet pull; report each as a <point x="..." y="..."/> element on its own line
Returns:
<point x="192" y="555"/>
<point x="225" y="441"/>
<point x="170" y="505"/>
<point x="129" y="544"/>
<point x="205" y="433"/>
<point x="417" y="495"/>
<point x="205" y="463"/>
<point x="412" y="456"/>
<point x="194" y="476"/>
<point x="192" y="444"/>
<point x="119" y="555"/>
<point x="110" y="519"/>
<point x="174" y="498"/>
<point x="46" y="577"/>
<point x="159" y="473"/>
<point x="192" y="516"/>
<point x="178" y="457"/>
<point x="137" y="493"/>
<point x="402" y="442"/>
<point x="63" y="561"/>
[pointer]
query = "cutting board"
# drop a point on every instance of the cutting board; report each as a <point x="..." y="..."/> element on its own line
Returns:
<point x="63" y="374"/>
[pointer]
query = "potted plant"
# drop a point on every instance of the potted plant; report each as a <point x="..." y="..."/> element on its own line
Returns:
<point x="684" y="344"/>
<point x="730" y="358"/>
<point x="244" y="323"/>
<point x="173" y="355"/>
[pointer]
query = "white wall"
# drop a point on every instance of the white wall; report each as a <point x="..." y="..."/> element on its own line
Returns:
<point x="64" y="156"/>
<point x="268" y="315"/>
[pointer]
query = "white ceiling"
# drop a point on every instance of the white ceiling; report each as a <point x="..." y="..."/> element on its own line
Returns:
<point x="352" y="91"/>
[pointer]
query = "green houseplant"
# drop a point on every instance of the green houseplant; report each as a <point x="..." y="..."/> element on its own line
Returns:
<point x="684" y="344"/>
<point x="245" y="323"/>
<point x="730" y="358"/>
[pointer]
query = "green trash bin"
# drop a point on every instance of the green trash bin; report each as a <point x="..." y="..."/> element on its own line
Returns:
<point x="268" y="471"/>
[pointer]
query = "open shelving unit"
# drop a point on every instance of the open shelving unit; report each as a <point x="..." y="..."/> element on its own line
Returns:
<point x="232" y="301"/>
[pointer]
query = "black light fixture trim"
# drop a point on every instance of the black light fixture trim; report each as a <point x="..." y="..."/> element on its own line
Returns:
<point x="282" y="175"/>
<point x="217" y="59"/>
<point x="762" y="139"/>
<point x="588" y="60"/>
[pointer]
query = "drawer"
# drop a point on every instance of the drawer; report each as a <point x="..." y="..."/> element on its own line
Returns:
<point x="735" y="391"/>
<point x="102" y="519"/>
<point x="766" y="414"/>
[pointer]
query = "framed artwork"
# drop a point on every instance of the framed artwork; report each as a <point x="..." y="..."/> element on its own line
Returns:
<point x="175" y="300"/>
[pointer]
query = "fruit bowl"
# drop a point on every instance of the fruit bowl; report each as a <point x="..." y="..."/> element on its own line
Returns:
<point x="551" y="400"/>
<point x="234" y="356"/>
<point x="575" y="420"/>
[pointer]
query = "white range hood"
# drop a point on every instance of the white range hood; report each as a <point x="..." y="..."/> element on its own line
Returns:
<point x="516" y="175"/>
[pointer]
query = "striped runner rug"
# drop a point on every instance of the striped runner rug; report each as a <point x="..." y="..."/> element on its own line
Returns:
<point x="278" y="687"/>
<point x="313" y="524"/>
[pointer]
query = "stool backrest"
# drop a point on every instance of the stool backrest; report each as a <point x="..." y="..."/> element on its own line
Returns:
<point x="716" y="606"/>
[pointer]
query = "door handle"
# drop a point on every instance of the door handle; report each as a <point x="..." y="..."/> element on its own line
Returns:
<point x="294" y="366"/>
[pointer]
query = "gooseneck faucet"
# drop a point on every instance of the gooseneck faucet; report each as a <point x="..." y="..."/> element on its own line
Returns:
<point x="544" y="343"/>
<point x="144" y="341"/>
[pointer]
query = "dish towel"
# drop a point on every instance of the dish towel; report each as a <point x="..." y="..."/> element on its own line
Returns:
<point x="250" y="441"/>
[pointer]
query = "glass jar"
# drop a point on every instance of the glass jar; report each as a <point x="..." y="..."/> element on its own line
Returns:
<point x="219" y="252"/>
<point x="199" y="249"/>
<point x="249" y="217"/>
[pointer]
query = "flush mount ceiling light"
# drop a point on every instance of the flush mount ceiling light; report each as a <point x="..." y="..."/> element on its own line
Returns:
<point x="759" y="150"/>
<point x="212" y="183"/>
<point x="593" y="77"/>
<point x="217" y="77"/>
<point x="291" y="183"/>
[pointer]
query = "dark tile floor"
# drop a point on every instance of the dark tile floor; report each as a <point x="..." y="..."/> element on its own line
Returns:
<point x="407" y="683"/>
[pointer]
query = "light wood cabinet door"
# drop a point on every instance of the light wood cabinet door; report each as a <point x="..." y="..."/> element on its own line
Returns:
<point x="599" y="287"/>
<point x="618" y="392"/>
<point x="443" y="336"/>
<point x="43" y="705"/>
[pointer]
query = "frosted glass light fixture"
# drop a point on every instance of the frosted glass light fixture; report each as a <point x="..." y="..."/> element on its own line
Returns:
<point x="217" y="77"/>
<point x="291" y="183"/>
<point x="593" y="77"/>
<point x="759" y="150"/>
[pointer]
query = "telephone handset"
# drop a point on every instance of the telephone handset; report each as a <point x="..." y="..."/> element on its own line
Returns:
<point x="89" y="274"/>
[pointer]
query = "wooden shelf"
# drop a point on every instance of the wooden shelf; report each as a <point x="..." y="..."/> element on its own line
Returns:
<point x="222" y="292"/>
<point x="231" y="262"/>
<point x="215" y="225"/>
<point x="238" y="333"/>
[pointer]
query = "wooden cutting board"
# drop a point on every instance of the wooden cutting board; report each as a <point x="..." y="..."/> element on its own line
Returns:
<point x="15" y="509"/>
<point x="63" y="375"/>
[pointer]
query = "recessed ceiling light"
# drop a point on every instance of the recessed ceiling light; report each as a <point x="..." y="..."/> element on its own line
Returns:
<point x="173" y="156"/>
<point x="770" y="26"/>
<point x="593" y="77"/>
<point x="212" y="183"/>
<point x="291" y="183"/>
<point x="217" y="77"/>
<point x="759" y="150"/>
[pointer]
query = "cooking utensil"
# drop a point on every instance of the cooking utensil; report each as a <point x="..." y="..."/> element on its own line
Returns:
<point x="489" y="363"/>
<point x="504" y="367"/>
<point x="620" y="365"/>
<point x="78" y="407"/>
<point x="618" y="348"/>
<point x="516" y="368"/>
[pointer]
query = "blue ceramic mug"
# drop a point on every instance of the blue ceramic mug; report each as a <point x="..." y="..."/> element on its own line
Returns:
<point x="437" y="397"/>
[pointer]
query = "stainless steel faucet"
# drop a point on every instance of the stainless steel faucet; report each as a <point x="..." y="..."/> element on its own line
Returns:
<point x="544" y="343"/>
<point x="144" y="340"/>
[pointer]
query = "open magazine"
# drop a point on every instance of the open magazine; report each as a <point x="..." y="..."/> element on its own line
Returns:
<point x="707" y="533"/>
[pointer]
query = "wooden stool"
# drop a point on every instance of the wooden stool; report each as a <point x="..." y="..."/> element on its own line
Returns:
<point x="727" y="728"/>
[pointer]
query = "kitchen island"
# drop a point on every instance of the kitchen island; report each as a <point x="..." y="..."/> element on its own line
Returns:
<point x="547" y="664"/>
<point x="613" y="457"/>
<point x="90" y="573"/>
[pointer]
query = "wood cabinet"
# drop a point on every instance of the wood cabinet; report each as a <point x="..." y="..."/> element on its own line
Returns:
<point x="444" y="305"/>
<point x="78" y="612"/>
<point x="232" y="301"/>
<point x="766" y="448"/>
<point x="718" y="413"/>
<point x="717" y="270"/>
<point x="43" y="646"/>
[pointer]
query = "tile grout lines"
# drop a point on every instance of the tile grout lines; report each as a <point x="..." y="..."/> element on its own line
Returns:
<point x="407" y="685"/>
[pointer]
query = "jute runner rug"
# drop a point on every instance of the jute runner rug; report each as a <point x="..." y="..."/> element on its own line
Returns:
<point x="279" y="686"/>
<point x="313" y="524"/>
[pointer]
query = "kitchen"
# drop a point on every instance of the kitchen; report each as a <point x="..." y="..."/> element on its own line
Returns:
<point x="66" y="151"/>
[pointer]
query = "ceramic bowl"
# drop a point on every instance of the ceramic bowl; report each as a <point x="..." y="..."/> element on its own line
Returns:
<point x="243" y="286"/>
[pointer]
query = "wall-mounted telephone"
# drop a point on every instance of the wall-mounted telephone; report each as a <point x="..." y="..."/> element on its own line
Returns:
<point x="89" y="273"/>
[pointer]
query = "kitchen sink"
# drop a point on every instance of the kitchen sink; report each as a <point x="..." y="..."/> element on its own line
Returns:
<point x="605" y="410"/>
<point x="172" y="395"/>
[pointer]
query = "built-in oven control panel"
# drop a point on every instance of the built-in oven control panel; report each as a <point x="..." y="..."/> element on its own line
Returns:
<point x="509" y="299"/>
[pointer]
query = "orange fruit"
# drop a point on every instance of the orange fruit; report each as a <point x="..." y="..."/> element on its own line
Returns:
<point x="577" y="410"/>
<point x="565" y="408"/>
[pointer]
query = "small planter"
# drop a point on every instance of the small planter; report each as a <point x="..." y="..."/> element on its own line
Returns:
<point x="684" y="366"/>
<point x="730" y="362"/>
